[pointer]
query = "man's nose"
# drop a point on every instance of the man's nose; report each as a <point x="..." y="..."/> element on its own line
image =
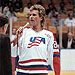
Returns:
<point x="31" y="16"/>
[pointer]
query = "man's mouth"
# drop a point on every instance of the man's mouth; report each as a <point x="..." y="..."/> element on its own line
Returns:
<point x="31" y="20"/>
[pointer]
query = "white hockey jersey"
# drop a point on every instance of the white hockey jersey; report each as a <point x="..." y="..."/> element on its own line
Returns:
<point x="34" y="48"/>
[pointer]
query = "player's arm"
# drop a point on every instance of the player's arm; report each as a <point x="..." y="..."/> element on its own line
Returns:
<point x="56" y="58"/>
<point x="56" y="63"/>
<point x="54" y="54"/>
<point x="19" y="33"/>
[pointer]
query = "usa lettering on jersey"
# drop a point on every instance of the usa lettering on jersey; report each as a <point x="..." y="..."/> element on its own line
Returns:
<point x="36" y="41"/>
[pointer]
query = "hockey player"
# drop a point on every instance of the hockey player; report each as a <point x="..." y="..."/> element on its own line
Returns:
<point x="35" y="43"/>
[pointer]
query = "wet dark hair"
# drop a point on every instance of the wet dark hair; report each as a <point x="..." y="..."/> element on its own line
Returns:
<point x="5" y="55"/>
<point x="3" y="20"/>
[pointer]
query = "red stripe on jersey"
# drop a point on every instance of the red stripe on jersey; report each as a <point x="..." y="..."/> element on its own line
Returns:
<point x="54" y="37"/>
<point x="56" y="53"/>
<point x="56" y="65"/>
<point x="33" y="42"/>
<point x="13" y="40"/>
<point x="27" y="27"/>
<point x="38" y="40"/>
<point x="32" y="60"/>
<point x="41" y="68"/>
<point x="55" y="48"/>
<point x="32" y="45"/>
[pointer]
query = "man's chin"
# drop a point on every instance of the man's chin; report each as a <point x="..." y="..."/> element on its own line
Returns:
<point x="31" y="23"/>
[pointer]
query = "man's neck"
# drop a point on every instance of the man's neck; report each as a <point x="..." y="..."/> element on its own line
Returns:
<point x="37" y="28"/>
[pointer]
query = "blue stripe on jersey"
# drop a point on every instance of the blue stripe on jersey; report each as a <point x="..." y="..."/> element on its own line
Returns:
<point x="56" y="55"/>
<point x="33" y="66"/>
<point x="19" y="73"/>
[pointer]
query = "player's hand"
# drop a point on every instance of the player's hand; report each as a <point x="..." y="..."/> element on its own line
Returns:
<point x="19" y="32"/>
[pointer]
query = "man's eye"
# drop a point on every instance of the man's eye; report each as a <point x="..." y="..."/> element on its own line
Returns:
<point x="30" y="15"/>
<point x="34" y="14"/>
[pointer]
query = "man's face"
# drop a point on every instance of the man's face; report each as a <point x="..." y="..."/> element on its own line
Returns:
<point x="71" y="16"/>
<point x="59" y="16"/>
<point x="34" y="18"/>
<point x="14" y="31"/>
<point x="70" y="36"/>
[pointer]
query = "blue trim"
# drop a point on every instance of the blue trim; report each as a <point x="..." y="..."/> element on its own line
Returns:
<point x="33" y="66"/>
<point x="49" y="67"/>
<point x="16" y="61"/>
<point x="19" y="73"/>
<point x="56" y="55"/>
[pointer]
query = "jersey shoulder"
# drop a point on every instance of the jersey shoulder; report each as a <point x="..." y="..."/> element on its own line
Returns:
<point x="48" y="31"/>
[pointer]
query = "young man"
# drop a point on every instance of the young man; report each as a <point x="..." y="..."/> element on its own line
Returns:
<point x="5" y="48"/>
<point x="35" y="44"/>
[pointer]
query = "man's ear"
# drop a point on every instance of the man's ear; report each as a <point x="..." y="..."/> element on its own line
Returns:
<point x="5" y="28"/>
<point x="41" y="18"/>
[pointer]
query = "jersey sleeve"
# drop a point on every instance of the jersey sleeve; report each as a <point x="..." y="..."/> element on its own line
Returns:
<point x="54" y="54"/>
<point x="15" y="49"/>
